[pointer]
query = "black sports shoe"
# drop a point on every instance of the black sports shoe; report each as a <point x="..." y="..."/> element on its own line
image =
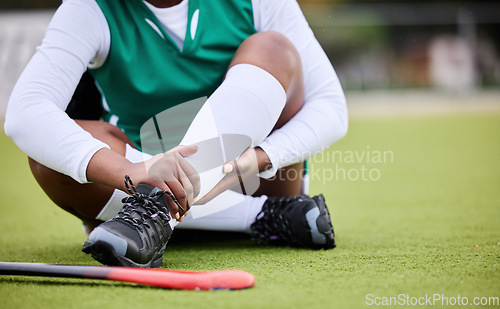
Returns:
<point x="298" y="221"/>
<point x="138" y="234"/>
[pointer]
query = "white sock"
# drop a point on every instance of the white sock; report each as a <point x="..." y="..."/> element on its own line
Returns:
<point x="248" y="102"/>
<point x="236" y="218"/>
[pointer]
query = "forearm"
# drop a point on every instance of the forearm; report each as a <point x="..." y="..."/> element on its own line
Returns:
<point x="308" y="133"/>
<point x="109" y="168"/>
<point x="263" y="161"/>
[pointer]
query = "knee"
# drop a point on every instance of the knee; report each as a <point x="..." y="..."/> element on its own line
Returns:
<point x="35" y="167"/>
<point x="38" y="170"/>
<point x="46" y="176"/>
<point x="273" y="41"/>
<point x="277" y="47"/>
<point x="106" y="133"/>
<point x="272" y="51"/>
<point x="99" y="129"/>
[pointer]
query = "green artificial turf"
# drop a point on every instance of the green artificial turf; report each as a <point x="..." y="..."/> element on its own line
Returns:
<point x="425" y="220"/>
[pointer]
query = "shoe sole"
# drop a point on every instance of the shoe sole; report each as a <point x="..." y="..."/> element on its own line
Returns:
<point x="104" y="253"/>
<point x="323" y="211"/>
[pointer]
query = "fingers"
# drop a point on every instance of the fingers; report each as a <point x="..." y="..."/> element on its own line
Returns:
<point x="184" y="151"/>
<point x="172" y="207"/>
<point x="192" y="176"/>
<point x="187" y="178"/>
<point x="245" y="164"/>
<point x="163" y="172"/>
<point x="188" y="188"/>
<point x="191" y="173"/>
<point x="237" y="173"/>
<point x="227" y="168"/>
<point x="183" y="216"/>
<point x="187" y="196"/>
<point x="225" y="183"/>
<point x="180" y="195"/>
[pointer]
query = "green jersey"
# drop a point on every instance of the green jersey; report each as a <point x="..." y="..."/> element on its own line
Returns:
<point x="146" y="73"/>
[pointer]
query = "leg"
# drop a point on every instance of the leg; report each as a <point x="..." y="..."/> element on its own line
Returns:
<point x="287" y="182"/>
<point x="84" y="201"/>
<point x="308" y="224"/>
<point x="274" y="53"/>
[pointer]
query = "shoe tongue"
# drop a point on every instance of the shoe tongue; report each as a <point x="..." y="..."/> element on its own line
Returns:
<point x="145" y="189"/>
<point x="148" y="190"/>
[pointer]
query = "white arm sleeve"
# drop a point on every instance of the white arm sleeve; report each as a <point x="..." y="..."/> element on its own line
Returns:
<point x="322" y="120"/>
<point x="36" y="119"/>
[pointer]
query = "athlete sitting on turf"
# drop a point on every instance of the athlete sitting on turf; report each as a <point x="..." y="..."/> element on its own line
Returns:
<point x="265" y="76"/>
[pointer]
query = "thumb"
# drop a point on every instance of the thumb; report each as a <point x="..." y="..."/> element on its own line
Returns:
<point x="186" y="151"/>
<point x="227" y="167"/>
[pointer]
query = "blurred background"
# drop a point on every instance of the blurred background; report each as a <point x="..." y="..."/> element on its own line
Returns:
<point x="451" y="45"/>
<point x="380" y="49"/>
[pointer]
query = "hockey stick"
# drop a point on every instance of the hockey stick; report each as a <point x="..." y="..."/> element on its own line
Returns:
<point x="170" y="279"/>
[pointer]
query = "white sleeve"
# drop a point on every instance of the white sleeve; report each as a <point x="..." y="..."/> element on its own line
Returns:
<point x="35" y="118"/>
<point x="322" y="120"/>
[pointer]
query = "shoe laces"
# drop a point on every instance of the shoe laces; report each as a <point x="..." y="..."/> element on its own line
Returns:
<point x="139" y="208"/>
<point x="272" y="222"/>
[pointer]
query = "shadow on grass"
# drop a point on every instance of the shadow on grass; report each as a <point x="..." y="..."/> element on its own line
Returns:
<point x="54" y="281"/>
<point x="187" y="240"/>
<point x="202" y="250"/>
<point x="206" y="238"/>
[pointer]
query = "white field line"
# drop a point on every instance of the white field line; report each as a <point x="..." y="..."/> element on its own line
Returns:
<point x="387" y="103"/>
